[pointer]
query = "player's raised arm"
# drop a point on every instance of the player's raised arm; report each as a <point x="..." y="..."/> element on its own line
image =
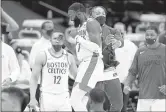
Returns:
<point x="94" y="31"/>
<point x="13" y="26"/>
<point x="36" y="72"/>
<point x="73" y="67"/>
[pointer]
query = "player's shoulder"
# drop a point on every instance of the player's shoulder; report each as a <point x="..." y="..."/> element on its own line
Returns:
<point x="36" y="43"/>
<point x="129" y="42"/>
<point x="162" y="45"/>
<point x="108" y="27"/>
<point x="7" y="47"/>
<point x="112" y="30"/>
<point x="92" y="21"/>
<point x="141" y="49"/>
<point x="41" y="55"/>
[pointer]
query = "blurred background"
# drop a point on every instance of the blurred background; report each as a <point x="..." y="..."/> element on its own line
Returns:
<point x="131" y="16"/>
<point x="126" y="11"/>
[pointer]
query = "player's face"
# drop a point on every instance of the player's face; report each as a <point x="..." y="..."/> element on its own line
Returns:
<point x="150" y="36"/>
<point x="99" y="14"/>
<point x="48" y="28"/>
<point x="57" y="38"/>
<point x="72" y="15"/>
<point x="57" y="41"/>
<point x="76" y="17"/>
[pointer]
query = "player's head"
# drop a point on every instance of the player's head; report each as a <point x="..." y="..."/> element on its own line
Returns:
<point x="12" y="99"/>
<point x="57" y="40"/>
<point x="77" y="13"/>
<point x="151" y="35"/>
<point x="47" y="28"/>
<point x="99" y="13"/>
<point x="96" y="98"/>
<point x="120" y="26"/>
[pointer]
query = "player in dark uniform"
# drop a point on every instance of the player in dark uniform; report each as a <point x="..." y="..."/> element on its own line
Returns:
<point x="149" y="64"/>
<point x="111" y="39"/>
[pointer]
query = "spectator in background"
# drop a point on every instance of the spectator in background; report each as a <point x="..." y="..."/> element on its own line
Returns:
<point x="124" y="56"/>
<point x="121" y="27"/>
<point x="7" y="28"/>
<point x="42" y="44"/>
<point x="162" y="36"/>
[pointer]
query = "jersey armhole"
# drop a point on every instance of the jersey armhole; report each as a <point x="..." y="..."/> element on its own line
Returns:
<point x="46" y="58"/>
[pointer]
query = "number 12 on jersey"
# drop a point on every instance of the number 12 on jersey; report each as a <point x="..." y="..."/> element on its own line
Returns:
<point x="57" y="79"/>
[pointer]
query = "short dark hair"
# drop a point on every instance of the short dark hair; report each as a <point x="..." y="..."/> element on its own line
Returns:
<point x="97" y="95"/>
<point x="43" y="25"/>
<point x="77" y="7"/>
<point x="153" y="27"/>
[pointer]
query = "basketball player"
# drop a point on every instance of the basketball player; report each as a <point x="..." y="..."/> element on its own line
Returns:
<point x="54" y="66"/>
<point x="96" y="100"/>
<point x="87" y="42"/>
<point x="149" y="63"/>
<point x="111" y="39"/>
<point x="42" y="44"/>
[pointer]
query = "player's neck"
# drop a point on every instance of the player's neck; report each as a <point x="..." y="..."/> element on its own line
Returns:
<point x="57" y="53"/>
<point x="46" y="37"/>
<point x="155" y="45"/>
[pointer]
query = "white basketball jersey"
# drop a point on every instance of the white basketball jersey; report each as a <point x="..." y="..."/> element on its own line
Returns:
<point x="82" y="52"/>
<point x="55" y="74"/>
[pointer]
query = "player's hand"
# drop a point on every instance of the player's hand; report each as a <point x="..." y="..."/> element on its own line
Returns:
<point x="33" y="104"/>
<point x="110" y="39"/>
<point x="116" y="44"/>
<point x="163" y="89"/>
<point x="7" y="82"/>
<point x="72" y="31"/>
<point x="126" y="89"/>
